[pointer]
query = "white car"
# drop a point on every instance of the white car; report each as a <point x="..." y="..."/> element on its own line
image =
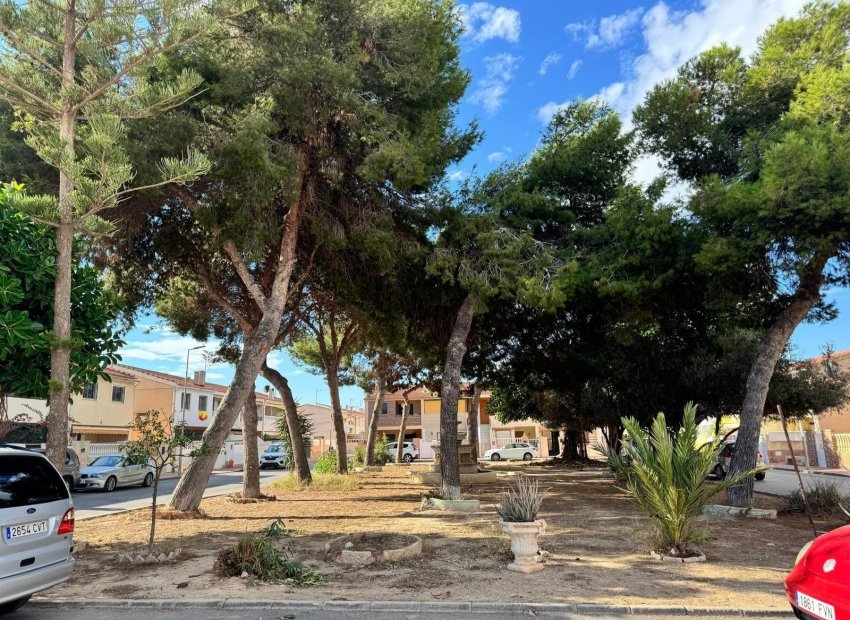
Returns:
<point x="114" y="470"/>
<point x="512" y="451"/>
<point x="409" y="454"/>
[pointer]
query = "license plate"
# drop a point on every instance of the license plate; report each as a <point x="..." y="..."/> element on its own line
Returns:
<point x="25" y="529"/>
<point x="815" y="607"/>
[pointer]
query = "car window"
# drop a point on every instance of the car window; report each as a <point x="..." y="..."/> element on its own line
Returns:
<point x="27" y="480"/>
<point x="106" y="461"/>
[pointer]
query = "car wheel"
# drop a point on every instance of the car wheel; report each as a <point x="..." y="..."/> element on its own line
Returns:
<point x="527" y="456"/>
<point x="495" y="457"/>
<point x="407" y="458"/>
<point x="262" y="465"/>
<point x="111" y="483"/>
<point x="760" y="476"/>
<point x="11" y="606"/>
<point x="719" y="472"/>
<point x="148" y="480"/>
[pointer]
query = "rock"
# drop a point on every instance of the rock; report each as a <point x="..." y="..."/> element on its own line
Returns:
<point x="349" y="545"/>
<point x="244" y="574"/>
<point x="161" y="557"/>
<point x="172" y="555"/>
<point x="138" y="560"/>
<point x="150" y="560"/>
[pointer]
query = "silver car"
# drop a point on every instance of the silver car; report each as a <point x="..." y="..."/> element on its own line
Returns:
<point x="36" y="527"/>
<point x="71" y="473"/>
<point x="111" y="471"/>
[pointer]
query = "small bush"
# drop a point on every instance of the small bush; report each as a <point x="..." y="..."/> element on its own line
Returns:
<point x="326" y="463"/>
<point x="359" y="458"/>
<point x="321" y="482"/>
<point x="382" y="457"/>
<point x="258" y="555"/>
<point x="521" y="502"/>
<point x="825" y="500"/>
<point x="305" y="429"/>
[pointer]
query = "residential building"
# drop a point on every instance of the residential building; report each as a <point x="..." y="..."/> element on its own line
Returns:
<point x="423" y="424"/>
<point x="324" y="436"/>
<point x="104" y="410"/>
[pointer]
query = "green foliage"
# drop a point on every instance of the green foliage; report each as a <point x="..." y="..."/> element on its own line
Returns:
<point x="157" y="442"/>
<point x="668" y="478"/>
<point x="522" y="501"/>
<point x="326" y="463"/>
<point x="259" y="556"/>
<point x="321" y="482"/>
<point x="382" y="455"/>
<point x="358" y="459"/>
<point x="305" y="429"/>
<point x="27" y="275"/>
<point x="825" y="499"/>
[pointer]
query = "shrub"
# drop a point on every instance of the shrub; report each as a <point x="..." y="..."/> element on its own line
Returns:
<point x="824" y="498"/>
<point x="305" y="428"/>
<point x="382" y="457"/>
<point x="359" y="458"/>
<point x="258" y="555"/>
<point x="521" y="502"/>
<point x="326" y="464"/>
<point x="321" y="482"/>
<point x="668" y="478"/>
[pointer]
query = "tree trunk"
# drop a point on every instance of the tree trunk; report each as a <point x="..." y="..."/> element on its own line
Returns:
<point x="157" y="474"/>
<point x="402" y="429"/>
<point x="190" y="489"/>
<point x="60" y="352"/>
<point x="563" y="452"/>
<point x="472" y="419"/>
<point x="296" y="441"/>
<point x="339" y="422"/>
<point x="372" y="434"/>
<point x="449" y="393"/>
<point x="251" y="466"/>
<point x="769" y="351"/>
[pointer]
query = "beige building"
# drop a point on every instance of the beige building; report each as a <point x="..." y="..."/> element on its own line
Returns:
<point x="104" y="410"/>
<point x="324" y="437"/>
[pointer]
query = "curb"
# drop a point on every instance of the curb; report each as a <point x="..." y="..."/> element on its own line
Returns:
<point x="528" y="609"/>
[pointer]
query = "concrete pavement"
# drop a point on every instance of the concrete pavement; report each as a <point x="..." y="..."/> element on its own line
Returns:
<point x="88" y="504"/>
<point x="783" y="481"/>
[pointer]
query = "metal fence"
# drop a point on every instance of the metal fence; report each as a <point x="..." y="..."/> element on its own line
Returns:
<point x="842" y="443"/>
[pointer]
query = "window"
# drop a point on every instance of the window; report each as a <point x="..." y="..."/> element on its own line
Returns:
<point x="27" y="480"/>
<point x="185" y="400"/>
<point x="385" y="409"/>
<point x="90" y="391"/>
<point x="399" y="409"/>
<point x="117" y="393"/>
<point x="216" y="403"/>
<point x="202" y="403"/>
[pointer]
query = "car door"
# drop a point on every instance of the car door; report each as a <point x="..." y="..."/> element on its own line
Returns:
<point x="508" y="451"/>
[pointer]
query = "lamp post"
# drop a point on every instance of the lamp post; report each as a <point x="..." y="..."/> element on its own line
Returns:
<point x="183" y="406"/>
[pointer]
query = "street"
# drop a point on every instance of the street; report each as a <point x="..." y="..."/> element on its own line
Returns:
<point x="88" y="504"/>
<point x="783" y="481"/>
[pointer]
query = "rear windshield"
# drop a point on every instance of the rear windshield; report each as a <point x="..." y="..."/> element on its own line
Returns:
<point x="26" y="480"/>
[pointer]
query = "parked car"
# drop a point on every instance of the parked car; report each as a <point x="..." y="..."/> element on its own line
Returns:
<point x="71" y="472"/>
<point x="115" y="470"/>
<point x="36" y="526"/>
<point x="273" y="456"/>
<point x="818" y="587"/>
<point x="516" y="451"/>
<point x="409" y="452"/>
<point x="724" y="460"/>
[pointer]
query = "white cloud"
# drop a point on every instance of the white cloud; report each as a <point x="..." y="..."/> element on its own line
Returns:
<point x="165" y="349"/>
<point x="457" y="175"/>
<point x="483" y="21"/>
<point x="579" y="30"/>
<point x="552" y="58"/>
<point x="499" y="156"/>
<point x="492" y="88"/>
<point x="614" y="29"/>
<point x="574" y="67"/>
<point x="548" y="110"/>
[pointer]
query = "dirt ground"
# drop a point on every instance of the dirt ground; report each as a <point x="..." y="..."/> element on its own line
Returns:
<point x="596" y="545"/>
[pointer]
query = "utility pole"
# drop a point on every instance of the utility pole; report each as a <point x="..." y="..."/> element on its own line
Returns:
<point x="183" y="406"/>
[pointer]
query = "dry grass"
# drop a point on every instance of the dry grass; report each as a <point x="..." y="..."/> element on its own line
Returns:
<point x="321" y="482"/>
<point x="596" y="548"/>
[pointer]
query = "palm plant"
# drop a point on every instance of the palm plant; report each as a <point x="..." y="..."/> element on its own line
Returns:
<point x="668" y="478"/>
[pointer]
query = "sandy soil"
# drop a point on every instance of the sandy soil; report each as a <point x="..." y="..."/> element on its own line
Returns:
<point x="597" y="546"/>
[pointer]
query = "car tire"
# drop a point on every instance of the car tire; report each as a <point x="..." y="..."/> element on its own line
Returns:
<point x="148" y="481"/>
<point x="759" y="476"/>
<point x="11" y="606"/>
<point x="407" y="458"/>
<point x="719" y="472"/>
<point x="495" y="457"/>
<point x="110" y="484"/>
<point x="527" y="456"/>
<point x="262" y="465"/>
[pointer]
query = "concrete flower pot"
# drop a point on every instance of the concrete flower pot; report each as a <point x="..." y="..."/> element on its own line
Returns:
<point x="527" y="558"/>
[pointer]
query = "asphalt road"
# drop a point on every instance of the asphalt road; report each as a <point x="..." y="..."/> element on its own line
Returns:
<point x="88" y="504"/>
<point x="782" y="482"/>
<point x="32" y="612"/>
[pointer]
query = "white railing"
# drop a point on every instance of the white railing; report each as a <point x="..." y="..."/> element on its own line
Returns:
<point x="90" y="451"/>
<point x="842" y="443"/>
<point x="777" y="436"/>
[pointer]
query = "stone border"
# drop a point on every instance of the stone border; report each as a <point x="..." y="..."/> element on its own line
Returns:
<point x="451" y="505"/>
<point x="353" y="557"/>
<point x="162" y="558"/>
<point x="719" y="510"/>
<point x="538" y="609"/>
<point x="368" y="468"/>
<point x="676" y="560"/>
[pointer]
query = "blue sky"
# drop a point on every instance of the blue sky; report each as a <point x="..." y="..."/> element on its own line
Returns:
<point x="526" y="58"/>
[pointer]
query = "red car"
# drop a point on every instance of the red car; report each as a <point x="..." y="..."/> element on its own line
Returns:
<point x="819" y="586"/>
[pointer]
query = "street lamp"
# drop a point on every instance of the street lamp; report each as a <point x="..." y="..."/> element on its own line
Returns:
<point x="183" y="405"/>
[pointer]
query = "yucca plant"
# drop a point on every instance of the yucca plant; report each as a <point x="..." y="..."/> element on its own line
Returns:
<point x="521" y="502"/>
<point x="668" y="478"/>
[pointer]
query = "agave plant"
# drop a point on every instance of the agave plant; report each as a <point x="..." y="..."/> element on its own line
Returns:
<point x="521" y="502"/>
<point x="668" y="478"/>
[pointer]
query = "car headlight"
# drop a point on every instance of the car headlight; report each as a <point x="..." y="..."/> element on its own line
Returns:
<point x="803" y="552"/>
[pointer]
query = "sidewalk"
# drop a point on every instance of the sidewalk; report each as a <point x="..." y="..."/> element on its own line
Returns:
<point x="814" y="470"/>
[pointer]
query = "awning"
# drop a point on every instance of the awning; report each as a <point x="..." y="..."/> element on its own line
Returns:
<point x="99" y="430"/>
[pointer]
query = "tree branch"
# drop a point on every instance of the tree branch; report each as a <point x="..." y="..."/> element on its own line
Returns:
<point x="242" y="271"/>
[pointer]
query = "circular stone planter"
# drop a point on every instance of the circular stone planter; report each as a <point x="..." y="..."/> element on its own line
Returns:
<point x="527" y="557"/>
<point x="676" y="559"/>
<point x="373" y="548"/>
<point x="453" y="505"/>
